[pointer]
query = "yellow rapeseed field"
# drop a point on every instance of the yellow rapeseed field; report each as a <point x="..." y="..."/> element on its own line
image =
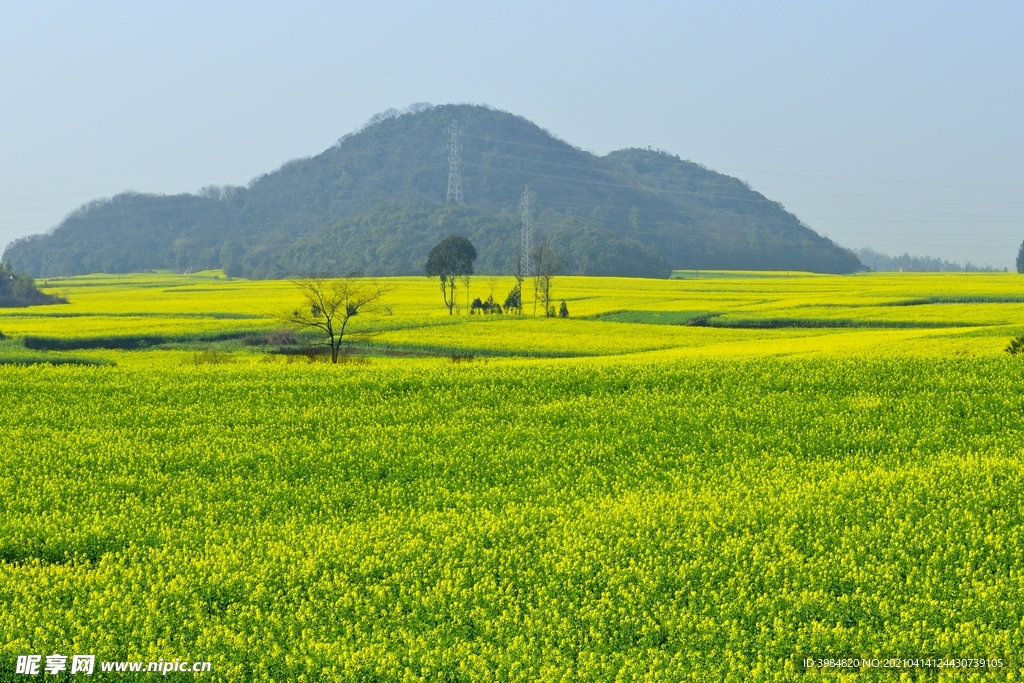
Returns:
<point x="743" y="314"/>
<point x="720" y="477"/>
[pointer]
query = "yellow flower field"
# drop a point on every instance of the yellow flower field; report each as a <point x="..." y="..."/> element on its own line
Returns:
<point x="822" y="469"/>
<point x="945" y="314"/>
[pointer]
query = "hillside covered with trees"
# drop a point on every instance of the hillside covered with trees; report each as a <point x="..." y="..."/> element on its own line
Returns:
<point x="375" y="201"/>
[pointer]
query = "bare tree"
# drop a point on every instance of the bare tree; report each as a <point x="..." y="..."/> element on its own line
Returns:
<point x="466" y="277"/>
<point x="329" y="304"/>
<point x="546" y="264"/>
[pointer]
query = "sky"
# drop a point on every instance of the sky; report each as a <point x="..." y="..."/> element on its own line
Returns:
<point x="895" y="126"/>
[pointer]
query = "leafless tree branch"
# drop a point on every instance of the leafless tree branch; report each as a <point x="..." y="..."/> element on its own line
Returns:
<point x="329" y="304"/>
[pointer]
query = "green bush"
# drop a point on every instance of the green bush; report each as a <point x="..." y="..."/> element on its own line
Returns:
<point x="211" y="357"/>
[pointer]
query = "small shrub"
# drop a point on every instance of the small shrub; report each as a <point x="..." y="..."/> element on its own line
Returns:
<point x="563" y="310"/>
<point x="51" y="360"/>
<point x="317" y="355"/>
<point x="1016" y="346"/>
<point x="461" y="358"/>
<point x="282" y="338"/>
<point x="272" y="338"/>
<point x="211" y="357"/>
<point x="352" y="359"/>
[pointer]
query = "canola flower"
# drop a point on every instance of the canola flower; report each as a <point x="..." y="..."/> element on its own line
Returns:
<point x="579" y="519"/>
<point x="947" y="314"/>
<point x="616" y="496"/>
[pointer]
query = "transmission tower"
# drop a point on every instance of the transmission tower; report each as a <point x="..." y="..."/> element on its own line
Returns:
<point x="454" y="162"/>
<point x="526" y="249"/>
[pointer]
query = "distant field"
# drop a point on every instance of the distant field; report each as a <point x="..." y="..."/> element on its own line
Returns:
<point x="620" y="496"/>
<point x="710" y="315"/>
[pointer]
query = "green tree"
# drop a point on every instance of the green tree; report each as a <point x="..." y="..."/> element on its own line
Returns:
<point x="448" y="260"/>
<point x="1020" y="259"/>
<point x="514" y="300"/>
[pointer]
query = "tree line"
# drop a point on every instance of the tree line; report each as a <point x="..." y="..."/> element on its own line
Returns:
<point x="451" y="261"/>
<point x="329" y="304"/>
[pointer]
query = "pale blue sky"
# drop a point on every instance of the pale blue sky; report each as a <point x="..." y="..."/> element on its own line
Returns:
<point x="891" y="125"/>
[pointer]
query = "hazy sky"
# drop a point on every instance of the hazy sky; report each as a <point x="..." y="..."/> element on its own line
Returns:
<point x="898" y="126"/>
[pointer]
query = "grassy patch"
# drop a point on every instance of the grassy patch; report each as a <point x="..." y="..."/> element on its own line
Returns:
<point x="126" y="342"/>
<point x="211" y="357"/>
<point x="130" y="314"/>
<point x="972" y="299"/>
<point x="801" y="323"/>
<point x="705" y="319"/>
<point x="653" y="317"/>
<point x="52" y="360"/>
<point x="733" y="274"/>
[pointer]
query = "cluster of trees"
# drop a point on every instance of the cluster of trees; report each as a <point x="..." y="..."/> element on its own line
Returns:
<point x="878" y="261"/>
<point x="329" y="304"/>
<point x="489" y="307"/>
<point x="546" y="263"/>
<point x="451" y="261"/>
<point x="392" y="239"/>
<point x="19" y="289"/>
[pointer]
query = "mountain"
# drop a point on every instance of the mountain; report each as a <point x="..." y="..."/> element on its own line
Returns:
<point x="376" y="201"/>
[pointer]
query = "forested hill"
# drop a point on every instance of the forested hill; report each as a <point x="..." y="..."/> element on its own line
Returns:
<point x="376" y="201"/>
